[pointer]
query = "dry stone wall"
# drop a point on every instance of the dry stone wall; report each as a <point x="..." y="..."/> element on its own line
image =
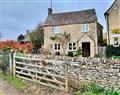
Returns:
<point x="106" y="74"/>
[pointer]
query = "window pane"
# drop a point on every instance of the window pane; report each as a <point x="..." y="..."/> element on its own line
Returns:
<point x="115" y="41"/>
<point x="56" y="29"/>
<point x="73" y="44"/>
<point x="70" y="48"/>
<point x="70" y="44"/>
<point x="58" y="45"/>
<point x="74" y="48"/>
<point x="85" y="27"/>
<point x="55" y="47"/>
<point x="58" y="48"/>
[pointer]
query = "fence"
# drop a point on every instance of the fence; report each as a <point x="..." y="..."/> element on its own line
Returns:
<point x="36" y="69"/>
<point x="55" y="74"/>
<point x="102" y="51"/>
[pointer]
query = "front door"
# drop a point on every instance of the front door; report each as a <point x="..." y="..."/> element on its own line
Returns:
<point x="86" y="49"/>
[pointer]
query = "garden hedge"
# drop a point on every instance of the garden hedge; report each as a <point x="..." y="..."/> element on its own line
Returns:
<point x="112" y="51"/>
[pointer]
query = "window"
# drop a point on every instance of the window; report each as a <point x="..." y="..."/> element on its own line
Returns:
<point x="56" y="29"/>
<point x="72" y="46"/>
<point x="57" y="46"/>
<point x="85" y="27"/>
<point x="116" y="41"/>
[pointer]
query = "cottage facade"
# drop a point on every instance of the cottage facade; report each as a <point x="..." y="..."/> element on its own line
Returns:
<point x="112" y="16"/>
<point x="83" y="27"/>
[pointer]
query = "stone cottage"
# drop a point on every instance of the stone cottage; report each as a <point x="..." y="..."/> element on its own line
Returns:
<point x="112" y="16"/>
<point x="83" y="27"/>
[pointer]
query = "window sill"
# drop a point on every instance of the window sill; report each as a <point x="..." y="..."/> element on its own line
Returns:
<point x="72" y="50"/>
<point x="116" y="45"/>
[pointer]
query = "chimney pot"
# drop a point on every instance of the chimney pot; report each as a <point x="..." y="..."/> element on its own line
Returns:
<point x="49" y="11"/>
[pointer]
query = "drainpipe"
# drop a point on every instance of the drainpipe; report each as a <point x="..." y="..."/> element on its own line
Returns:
<point x="96" y="38"/>
<point x="108" y="30"/>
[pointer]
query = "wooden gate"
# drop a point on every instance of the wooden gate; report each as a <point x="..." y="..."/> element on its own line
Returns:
<point x="32" y="69"/>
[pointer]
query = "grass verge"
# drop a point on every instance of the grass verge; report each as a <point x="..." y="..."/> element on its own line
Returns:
<point x="16" y="82"/>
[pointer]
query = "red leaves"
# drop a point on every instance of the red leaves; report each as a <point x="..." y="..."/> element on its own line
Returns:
<point x="26" y="47"/>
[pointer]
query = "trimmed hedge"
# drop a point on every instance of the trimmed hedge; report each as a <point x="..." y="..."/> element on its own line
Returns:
<point x="70" y="54"/>
<point x="112" y="51"/>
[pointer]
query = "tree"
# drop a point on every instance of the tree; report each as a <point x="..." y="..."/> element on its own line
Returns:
<point x="37" y="37"/>
<point x="104" y="42"/>
<point x="20" y="38"/>
<point x="63" y="39"/>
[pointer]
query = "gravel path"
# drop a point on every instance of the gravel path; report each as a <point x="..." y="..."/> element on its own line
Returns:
<point x="7" y="89"/>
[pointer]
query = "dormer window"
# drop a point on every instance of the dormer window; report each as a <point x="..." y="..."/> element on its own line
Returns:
<point x="85" y="27"/>
<point x="56" y="29"/>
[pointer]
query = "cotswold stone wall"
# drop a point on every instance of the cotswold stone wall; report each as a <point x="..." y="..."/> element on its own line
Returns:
<point x="106" y="74"/>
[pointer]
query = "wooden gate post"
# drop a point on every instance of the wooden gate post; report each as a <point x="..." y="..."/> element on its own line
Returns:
<point x="66" y="78"/>
<point x="10" y="60"/>
<point x="14" y="65"/>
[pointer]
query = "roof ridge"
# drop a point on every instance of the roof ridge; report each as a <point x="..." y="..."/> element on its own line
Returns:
<point x="73" y="11"/>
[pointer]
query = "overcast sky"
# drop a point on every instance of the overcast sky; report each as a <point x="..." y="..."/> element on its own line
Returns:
<point x="17" y="16"/>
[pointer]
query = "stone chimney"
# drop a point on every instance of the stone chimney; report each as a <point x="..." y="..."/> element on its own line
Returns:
<point x="49" y="11"/>
<point x="27" y="31"/>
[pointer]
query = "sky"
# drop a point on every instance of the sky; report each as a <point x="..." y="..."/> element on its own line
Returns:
<point x="17" y="16"/>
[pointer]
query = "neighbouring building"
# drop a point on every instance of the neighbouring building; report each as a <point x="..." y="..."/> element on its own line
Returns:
<point x="27" y="36"/>
<point x="83" y="27"/>
<point x="112" y="16"/>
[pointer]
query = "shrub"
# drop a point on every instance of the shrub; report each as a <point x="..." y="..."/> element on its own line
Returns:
<point x="93" y="89"/>
<point x="6" y="49"/>
<point x="77" y="93"/>
<point x="70" y="54"/>
<point x="112" y="51"/>
<point x="112" y="91"/>
<point x="57" y="53"/>
<point x="115" y="57"/>
<point x="7" y="45"/>
<point x="78" y="52"/>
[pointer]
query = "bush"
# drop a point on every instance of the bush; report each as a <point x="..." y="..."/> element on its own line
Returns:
<point x="112" y="51"/>
<point x="78" y="52"/>
<point x="70" y="54"/>
<point x="115" y="57"/>
<point x="93" y="89"/>
<point x="57" y="53"/>
<point x="6" y="49"/>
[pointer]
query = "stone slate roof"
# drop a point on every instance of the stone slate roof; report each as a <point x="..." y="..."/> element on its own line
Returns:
<point x="77" y="17"/>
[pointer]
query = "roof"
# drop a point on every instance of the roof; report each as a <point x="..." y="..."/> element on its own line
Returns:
<point x="84" y="16"/>
<point x="99" y="25"/>
<point x="110" y="8"/>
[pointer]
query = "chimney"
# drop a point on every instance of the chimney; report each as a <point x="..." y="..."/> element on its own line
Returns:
<point x="27" y="31"/>
<point x="49" y="11"/>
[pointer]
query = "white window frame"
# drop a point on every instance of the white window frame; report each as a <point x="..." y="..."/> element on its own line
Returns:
<point x="72" y="48"/>
<point x="56" y="29"/>
<point x="85" y="27"/>
<point x="57" y="47"/>
<point x="115" y="45"/>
